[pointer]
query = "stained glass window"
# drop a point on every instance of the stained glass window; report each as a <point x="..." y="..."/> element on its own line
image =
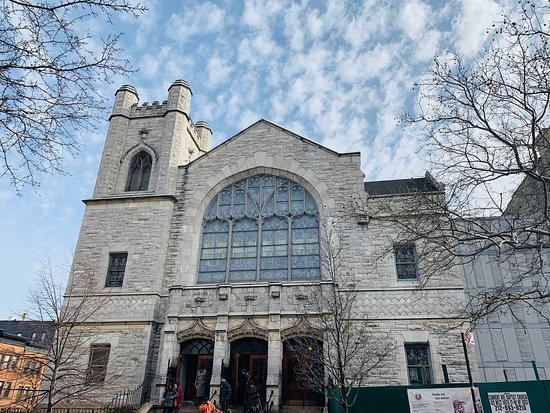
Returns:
<point x="140" y="171"/>
<point x="418" y="363"/>
<point x="249" y="346"/>
<point x="405" y="261"/>
<point x="115" y="273"/>
<point x="262" y="228"/>
<point x="198" y="346"/>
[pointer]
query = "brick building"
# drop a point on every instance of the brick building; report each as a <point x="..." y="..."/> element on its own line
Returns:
<point x="21" y="371"/>
<point x="205" y="255"/>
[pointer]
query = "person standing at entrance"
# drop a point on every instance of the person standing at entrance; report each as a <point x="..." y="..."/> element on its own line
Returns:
<point x="252" y="398"/>
<point x="179" y="400"/>
<point x="225" y="394"/>
<point x="169" y="400"/>
<point x="201" y="383"/>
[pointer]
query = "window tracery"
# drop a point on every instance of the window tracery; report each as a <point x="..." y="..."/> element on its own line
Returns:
<point x="140" y="172"/>
<point x="262" y="228"/>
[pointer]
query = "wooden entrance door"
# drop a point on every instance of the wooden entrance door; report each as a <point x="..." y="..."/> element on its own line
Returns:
<point x="258" y="372"/>
<point x="248" y="361"/>
<point x="193" y="364"/>
<point x="295" y="392"/>
<point x="245" y="367"/>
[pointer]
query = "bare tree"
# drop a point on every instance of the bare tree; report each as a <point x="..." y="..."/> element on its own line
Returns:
<point x="345" y="348"/>
<point x="484" y="127"/>
<point x="50" y="69"/>
<point x="67" y="369"/>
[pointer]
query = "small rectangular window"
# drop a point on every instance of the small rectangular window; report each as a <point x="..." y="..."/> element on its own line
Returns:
<point x="97" y="366"/>
<point x="405" y="262"/>
<point x="5" y="361"/>
<point x="6" y="390"/>
<point x="117" y="266"/>
<point x="418" y="363"/>
<point x="13" y="364"/>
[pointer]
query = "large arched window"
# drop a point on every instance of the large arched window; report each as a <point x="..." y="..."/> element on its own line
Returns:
<point x="263" y="228"/>
<point x="140" y="171"/>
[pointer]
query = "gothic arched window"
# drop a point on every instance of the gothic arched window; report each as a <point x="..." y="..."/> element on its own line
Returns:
<point x="263" y="228"/>
<point x="140" y="171"/>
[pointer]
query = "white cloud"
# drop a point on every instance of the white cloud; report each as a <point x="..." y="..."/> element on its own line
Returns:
<point x="151" y="63"/>
<point x="247" y="118"/>
<point x="414" y="18"/>
<point x="258" y="13"/>
<point x="252" y="16"/>
<point x="257" y="50"/>
<point x="371" y="22"/>
<point x="199" y="19"/>
<point x="293" y="27"/>
<point x="471" y="25"/>
<point x="367" y="65"/>
<point x="218" y="71"/>
<point x="145" y="26"/>
<point x="427" y="45"/>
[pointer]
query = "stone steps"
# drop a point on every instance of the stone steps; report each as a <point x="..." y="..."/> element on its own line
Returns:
<point x="301" y="409"/>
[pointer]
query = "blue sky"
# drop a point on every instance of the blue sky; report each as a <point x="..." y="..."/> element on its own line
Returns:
<point x="338" y="72"/>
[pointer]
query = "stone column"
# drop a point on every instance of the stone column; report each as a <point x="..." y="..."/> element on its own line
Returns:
<point x="221" y="353"/>
<point x="168" y="353"/>
<point x="274" y="361"/>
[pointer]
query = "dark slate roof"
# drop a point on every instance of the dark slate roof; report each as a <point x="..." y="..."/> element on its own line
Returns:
<point x="401" y="186"/>
<point x="13" y="339"/>
<point x="44" y="331"/>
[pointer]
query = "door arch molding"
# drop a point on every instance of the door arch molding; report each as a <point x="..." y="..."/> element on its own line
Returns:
<point x="247" y="329"/>
<point x="196" y="330"/>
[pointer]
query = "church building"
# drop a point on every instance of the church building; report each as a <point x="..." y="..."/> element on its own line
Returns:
<point x="205" y="256"/>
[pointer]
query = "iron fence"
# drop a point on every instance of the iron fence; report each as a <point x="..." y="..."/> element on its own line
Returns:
<point x="127" y="401"/>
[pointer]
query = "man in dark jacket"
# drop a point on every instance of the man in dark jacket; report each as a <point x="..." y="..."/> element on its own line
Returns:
<point x="225" y="394"/>
<point x="169" y="400"/>
<point x="252" y="397"/>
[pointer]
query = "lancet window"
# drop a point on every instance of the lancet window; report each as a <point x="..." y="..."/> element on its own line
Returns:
<point x="140" y="172"/>
<point x="262" y="228"/>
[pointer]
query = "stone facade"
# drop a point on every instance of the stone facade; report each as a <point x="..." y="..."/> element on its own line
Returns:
<point x="160" y="305"/>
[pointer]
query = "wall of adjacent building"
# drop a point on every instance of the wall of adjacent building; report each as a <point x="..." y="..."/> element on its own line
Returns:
<point x="504" y="343"/>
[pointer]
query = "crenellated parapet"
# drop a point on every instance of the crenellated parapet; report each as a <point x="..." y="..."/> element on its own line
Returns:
<point x="161" y="130"/>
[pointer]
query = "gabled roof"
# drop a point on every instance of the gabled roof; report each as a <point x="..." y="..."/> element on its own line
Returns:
<point x="273" y="125"/>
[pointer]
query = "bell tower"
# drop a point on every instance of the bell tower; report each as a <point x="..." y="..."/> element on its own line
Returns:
<point x="148" y="143"/>
<point x="127" y="223"/>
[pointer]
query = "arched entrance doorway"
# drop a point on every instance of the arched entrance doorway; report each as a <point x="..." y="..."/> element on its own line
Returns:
<point x="194" y="354"/>
<point x="298" y="386"/>
<point x="248" y="361"/>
